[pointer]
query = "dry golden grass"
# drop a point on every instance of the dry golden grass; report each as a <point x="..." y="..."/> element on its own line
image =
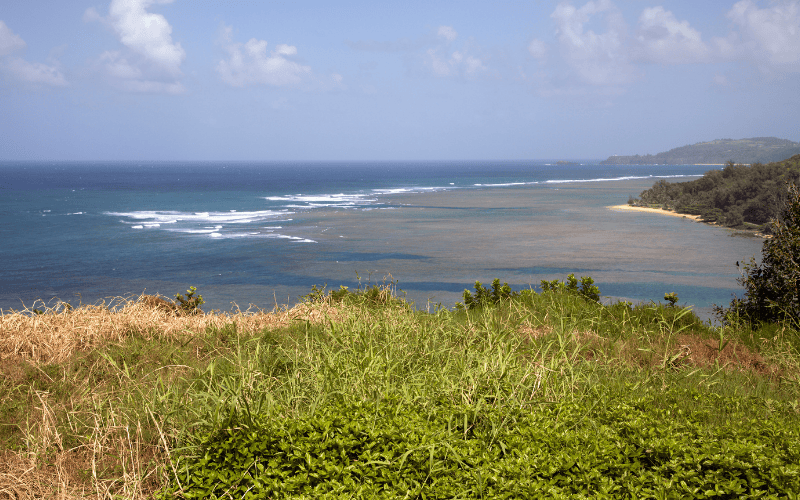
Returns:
<point x="61" y="331"/>
<point x="531" y="332"/>
<point x="118" y="462"/>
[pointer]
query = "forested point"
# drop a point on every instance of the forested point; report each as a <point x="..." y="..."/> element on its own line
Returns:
<point x="737" y="196"/>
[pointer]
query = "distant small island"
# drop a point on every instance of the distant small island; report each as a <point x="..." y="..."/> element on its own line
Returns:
<point x="717" y="152"/>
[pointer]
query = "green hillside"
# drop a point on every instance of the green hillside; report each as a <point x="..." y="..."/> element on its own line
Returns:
<point x="720" y="151"/>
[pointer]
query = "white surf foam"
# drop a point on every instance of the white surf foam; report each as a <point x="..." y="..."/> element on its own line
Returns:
<point x="599" y="179"/>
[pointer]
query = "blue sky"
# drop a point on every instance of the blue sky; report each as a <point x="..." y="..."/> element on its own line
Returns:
<point x="366" y="80"/>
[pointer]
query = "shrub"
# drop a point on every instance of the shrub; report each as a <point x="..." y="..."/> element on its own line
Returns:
<point x="772" y="288"/>
<point x="485" y="296"/>
<point x="587" y="289"/>
<point x="371" y="295"/>
<point x="191" y="303"/>
<point x="499" y="293"/>
<point x="672" y="298"/>
<point x="489" y="296"/>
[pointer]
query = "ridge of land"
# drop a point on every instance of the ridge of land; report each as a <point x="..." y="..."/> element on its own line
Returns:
<point x="716" y="152"/>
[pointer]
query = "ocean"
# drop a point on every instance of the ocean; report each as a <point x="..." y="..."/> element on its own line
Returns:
<point x="264" y="233"/>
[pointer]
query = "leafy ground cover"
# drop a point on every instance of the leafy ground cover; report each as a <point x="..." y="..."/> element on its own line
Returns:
<point x="615" y="446"/>
<point x="356" y="394"/>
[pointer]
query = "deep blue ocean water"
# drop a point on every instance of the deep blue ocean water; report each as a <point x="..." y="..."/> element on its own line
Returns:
<point x="264" y="233"/>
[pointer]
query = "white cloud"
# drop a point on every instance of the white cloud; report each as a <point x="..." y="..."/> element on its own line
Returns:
<point x="537" y="49"/>
<point x="130" y="77"/>
<point x="767" y="36"/>
<point x="151" y="61"/>
<point x="661" y="38"/>
<point x="597" y="58"/>
<point x="9" y="41"/>
<point x="22" y="70"/>
<point x="447" y="32"/>
<point x="435" y="51"/>
<point x="250" y="63"/>
<point x="147" y="34"/>
<point x="151" y="87"/>
<point x="456" y="63"/>
<point x="91" y="15"/>
<point x="35" y="72"/>
<point x="447" y="62"/>
<point x="118" y="67"/>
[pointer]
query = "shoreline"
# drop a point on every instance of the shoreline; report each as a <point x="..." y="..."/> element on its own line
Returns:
<point x="695" y="218"/>
<point x="660" y="211"/>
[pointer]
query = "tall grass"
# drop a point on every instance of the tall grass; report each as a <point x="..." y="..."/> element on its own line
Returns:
<point x="115" y="400"/>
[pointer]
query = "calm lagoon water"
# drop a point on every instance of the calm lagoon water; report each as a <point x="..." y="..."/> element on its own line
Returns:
<point x="264" y="233"/>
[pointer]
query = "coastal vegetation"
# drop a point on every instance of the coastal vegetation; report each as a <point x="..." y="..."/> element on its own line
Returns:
<point x="717" y="152"/>
<point x="356" y="394"/>
<point x="737" y="196"/>
<point x="771" y="286"/>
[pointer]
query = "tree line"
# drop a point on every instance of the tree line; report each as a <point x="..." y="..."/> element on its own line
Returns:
<point x="737" y="196"/>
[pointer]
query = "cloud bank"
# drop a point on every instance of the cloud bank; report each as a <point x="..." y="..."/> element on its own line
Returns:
<point x="592" y="46"/>
<point x="768" y="37"/>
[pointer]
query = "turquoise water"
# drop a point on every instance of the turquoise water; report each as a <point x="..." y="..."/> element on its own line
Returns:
<point x="265" y="233"/>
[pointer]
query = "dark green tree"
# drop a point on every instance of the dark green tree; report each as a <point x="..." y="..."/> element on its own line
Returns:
<point x="772" y="288"/>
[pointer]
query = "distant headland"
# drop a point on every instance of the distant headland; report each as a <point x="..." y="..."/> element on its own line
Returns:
<point x="717" y="152"/>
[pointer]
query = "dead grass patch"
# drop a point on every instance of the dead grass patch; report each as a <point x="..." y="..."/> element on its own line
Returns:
<point x="60" y="332"/>
<point x="77" y="474"/>
<point x="685" y="351"/>
<point x="704" y="353"/>
<point x="530" y="332"/>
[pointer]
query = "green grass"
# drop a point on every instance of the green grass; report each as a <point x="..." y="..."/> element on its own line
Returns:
<point x="547" y="395"/>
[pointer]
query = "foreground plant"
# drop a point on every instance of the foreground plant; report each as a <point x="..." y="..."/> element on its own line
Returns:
<point x="191" y="303"/>
<point x="617" y="446"/>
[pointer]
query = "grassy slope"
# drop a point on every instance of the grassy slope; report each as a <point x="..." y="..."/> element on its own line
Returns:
<point x="368" y="397"/>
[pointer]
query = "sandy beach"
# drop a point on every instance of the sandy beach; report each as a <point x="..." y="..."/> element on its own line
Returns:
<point x="654" y="211"/>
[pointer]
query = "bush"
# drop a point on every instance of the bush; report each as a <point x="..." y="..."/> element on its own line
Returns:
<point x="372" y="295"/>
<point x="498" y="293"/>
<point x="587" y="290"/>
<point x="772" y="288"/>
<point x="485" y="296"/>
<point x="191" y="303"/>
<point x="672" y="298"/>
